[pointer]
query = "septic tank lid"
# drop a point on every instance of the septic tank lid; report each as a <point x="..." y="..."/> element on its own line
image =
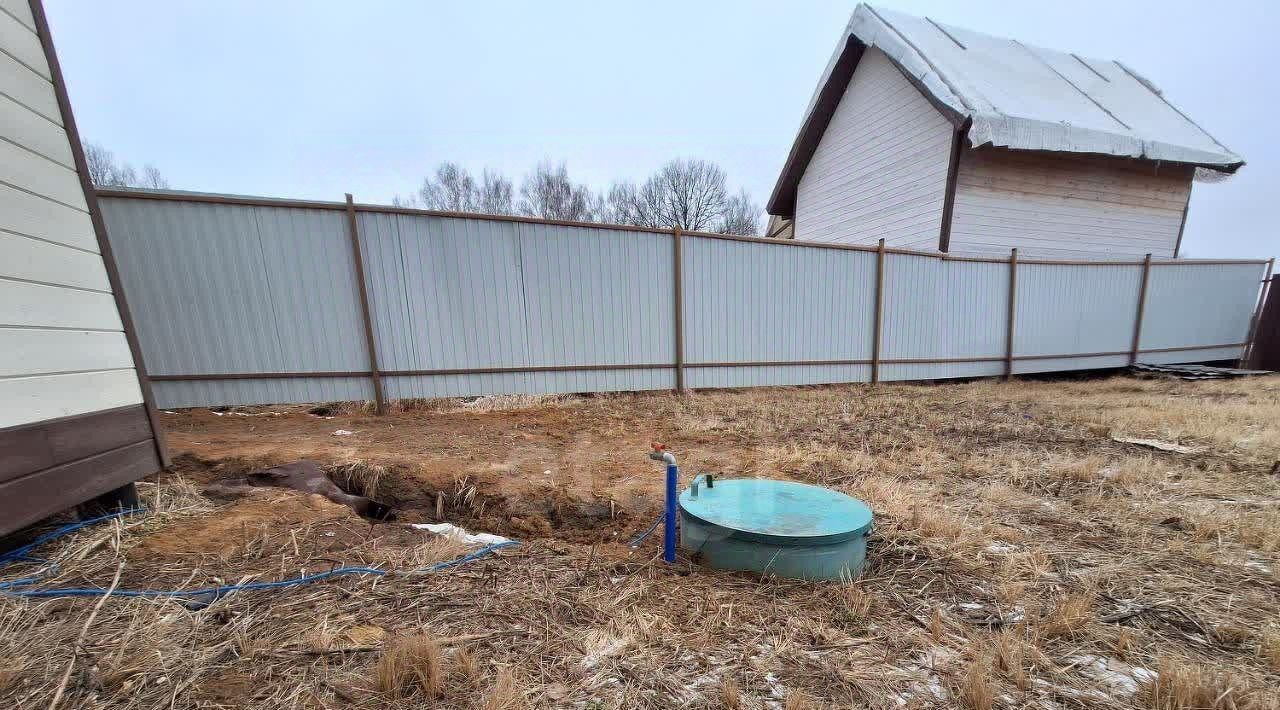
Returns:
<point x="780" y="512"/>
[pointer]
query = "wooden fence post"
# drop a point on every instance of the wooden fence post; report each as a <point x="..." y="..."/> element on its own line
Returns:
<point x="1247" y="355"/>
<point x="371" y="344"/>
<point x="878" y="324"/>
<point x="1013" y="305"/>
<point x="677" y="276"/>
<point x="1142" y="306"/>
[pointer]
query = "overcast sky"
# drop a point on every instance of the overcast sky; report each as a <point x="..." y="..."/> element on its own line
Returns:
<point x="290" y="99"/>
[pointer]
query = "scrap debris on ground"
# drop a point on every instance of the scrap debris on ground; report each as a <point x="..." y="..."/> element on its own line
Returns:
<point x="1195" y="372"/>
<point x="1022" y="556"/>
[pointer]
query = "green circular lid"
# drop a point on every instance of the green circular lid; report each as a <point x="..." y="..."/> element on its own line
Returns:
<point x="779" y="512"/>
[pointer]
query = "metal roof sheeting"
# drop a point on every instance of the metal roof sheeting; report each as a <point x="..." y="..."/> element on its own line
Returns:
<point x="1020" y="96"/>
<point x="1029" y="98"/>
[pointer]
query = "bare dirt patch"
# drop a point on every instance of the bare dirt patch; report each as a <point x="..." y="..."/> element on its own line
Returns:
<point x="1022" y="557"/>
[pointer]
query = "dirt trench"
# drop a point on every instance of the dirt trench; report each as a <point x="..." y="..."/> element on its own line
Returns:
<point x="472" y="502"/>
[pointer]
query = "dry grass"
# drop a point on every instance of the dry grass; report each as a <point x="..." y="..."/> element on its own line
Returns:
<point x="1021" y="558"/>
<point x="1069" y="616"/>
<point x="730" y="694"/>
<point x="1183" y="686"/>
<point x="359" y="477"/>
<point x="505" y="693"/>
<point x="410" y="665"/>
<point x="975" y="692"/>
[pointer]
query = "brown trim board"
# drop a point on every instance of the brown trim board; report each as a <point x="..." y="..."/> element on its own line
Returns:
<point x="100" y="232"/>
<point x="668" y="366"/>
<point x="28" y="448"/>
<point x="1142" y="308"/>
<point x="370" y="340"/>
<point x="1011" y="313"/>
<point x="949" y="194"/>
<point x="37" y="495"/>
<point x="677" y="278"/>
<point x="877" y="324"/>
<point x="1182" y="226"/>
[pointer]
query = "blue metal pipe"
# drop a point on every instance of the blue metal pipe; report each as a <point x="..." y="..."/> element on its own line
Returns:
<point x="669" y="528"/>
<point x="669" y="535"/>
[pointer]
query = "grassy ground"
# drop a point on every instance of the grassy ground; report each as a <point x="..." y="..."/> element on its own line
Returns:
<point x="1022" y="558"/>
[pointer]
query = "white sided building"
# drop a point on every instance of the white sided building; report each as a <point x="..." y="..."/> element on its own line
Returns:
<point x="938" y="138"/>
<point x="75" y="420"/>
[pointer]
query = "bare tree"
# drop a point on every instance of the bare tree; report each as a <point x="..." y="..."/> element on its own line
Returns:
<point x="495" y="194"/>
<point x="106" y="171"/>
<point x="453" y="189"/>
<point x="741" y="216"/>
<point x="622" y="205"/>
<point x="547" y="192"/>
<point x="688" y="194"/>
<point x="152" y="178"/>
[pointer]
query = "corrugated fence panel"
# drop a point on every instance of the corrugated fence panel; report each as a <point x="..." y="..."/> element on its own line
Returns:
<point x="488" y="294"/>
<point x="225" y="289"/>
<point x="937" y="309"/>
<point x="750" y="302"/>
<point x="599" y="297"/>
<point x="1206" y="304"/>
<point x="1075" y="309"/>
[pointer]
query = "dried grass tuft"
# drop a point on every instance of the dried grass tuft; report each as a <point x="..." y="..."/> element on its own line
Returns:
<point x="410" y="665"/>
<point x="975" y="688"/>
<point x="465" y="667"/>
<point x="856" y="603"/>
<point x="1069" y="616"/>
<point x="504" y="694"/>
<point x="937" y="629"/>
<point x="1269" y="648"/>
<point x="359" y="477"/>
<point x="1011" y="658"/>
<point x="513" y="402"/>
<point x="730" y="694"/>
<point x="1179" y="685"/>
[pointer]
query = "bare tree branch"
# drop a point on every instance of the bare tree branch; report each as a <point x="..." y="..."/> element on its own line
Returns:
<point x="105" y="171"/>
<point x="547" y="192"/>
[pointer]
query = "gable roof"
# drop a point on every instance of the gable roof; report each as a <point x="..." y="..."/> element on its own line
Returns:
<point x="1004" y="93"/>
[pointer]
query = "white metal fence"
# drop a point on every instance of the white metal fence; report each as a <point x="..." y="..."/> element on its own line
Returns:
<point x="252" y="300"/>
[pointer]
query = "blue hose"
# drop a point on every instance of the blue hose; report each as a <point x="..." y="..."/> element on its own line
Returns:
<point x="20" y="554"/>
<point x="641" y="537"/>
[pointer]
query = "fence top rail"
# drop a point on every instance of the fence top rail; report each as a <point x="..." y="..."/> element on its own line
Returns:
<point x="255" y="201"/>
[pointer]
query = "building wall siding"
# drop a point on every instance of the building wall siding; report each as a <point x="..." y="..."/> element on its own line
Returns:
<point x="62" y="345"/>
<point x="1059" y="206"/>
<point x="880" y="170"/>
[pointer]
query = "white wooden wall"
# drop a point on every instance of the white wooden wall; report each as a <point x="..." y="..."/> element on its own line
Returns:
<point x="880" y="169"/>
<point x="1063" y="206"/>
<point x="62" y="345"/>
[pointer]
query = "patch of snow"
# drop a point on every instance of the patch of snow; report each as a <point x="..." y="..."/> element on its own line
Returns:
<point x="776" y="689"/>
<point x="1111" y="674"/>
<point x="1001" y="547"/>
<point x="931" y="684"/>
<point x="343" y="432"/>
<point x="605" y="650"/>
<point x="454" y="532"/>
<point x="1259" y="566"/>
